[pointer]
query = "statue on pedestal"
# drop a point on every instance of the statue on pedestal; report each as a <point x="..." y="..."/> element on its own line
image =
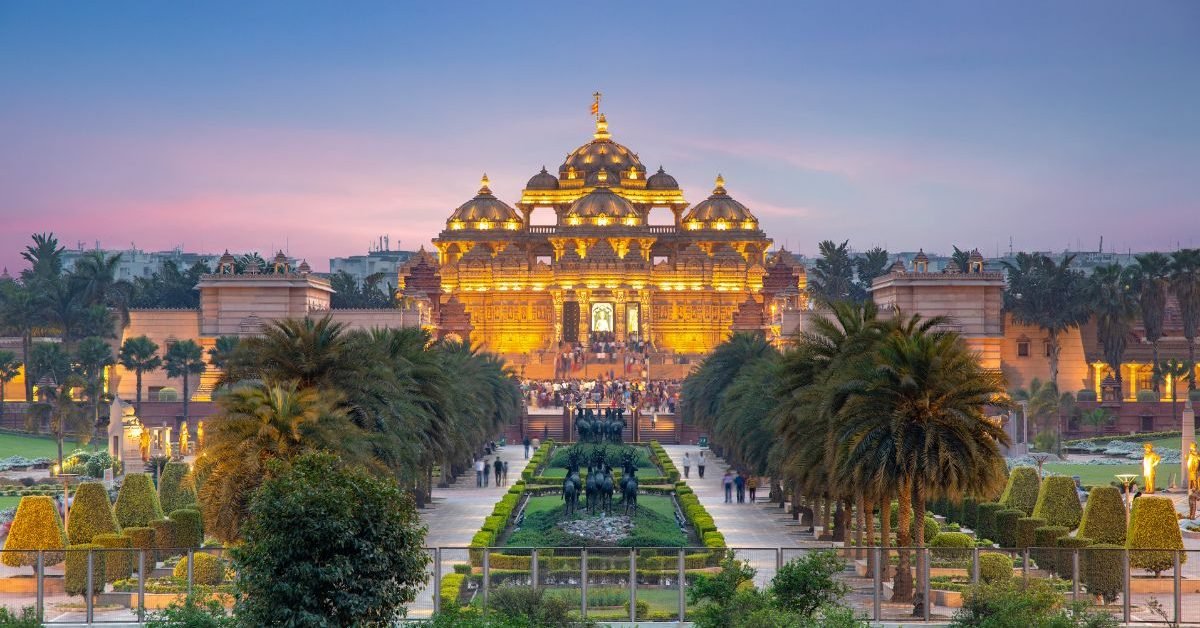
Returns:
<point x="1193" y="467"/>
<point x="1150" y="461"/>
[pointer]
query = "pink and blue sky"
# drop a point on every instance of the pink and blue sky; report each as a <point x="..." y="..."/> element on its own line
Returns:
<point x="323" y="125"/>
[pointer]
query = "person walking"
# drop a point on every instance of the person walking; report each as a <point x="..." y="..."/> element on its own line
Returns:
<point x="497" y="467"/>
<point x="526" y="443"/>
<point x="740" y="482"/>
<point x="487" y="470"/>
<point x="504" y="475"/>
<point x="687" y="464"/>
<point x="752" y="485"/>
<point x="727" y="482"/>
<point x="700" y="465"/>
<point x="479" y="473"/>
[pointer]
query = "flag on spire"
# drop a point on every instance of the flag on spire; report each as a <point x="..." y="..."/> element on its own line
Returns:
<point x="596" y="104"/>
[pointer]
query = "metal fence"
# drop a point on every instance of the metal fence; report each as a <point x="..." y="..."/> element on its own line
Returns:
<point x="630" y="584"/>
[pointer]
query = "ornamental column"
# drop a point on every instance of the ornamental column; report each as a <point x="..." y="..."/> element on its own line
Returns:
<point x="619" y="314"/>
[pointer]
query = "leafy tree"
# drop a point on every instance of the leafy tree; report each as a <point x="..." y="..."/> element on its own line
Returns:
<point x="871" y="264"/>
<point x="1150" y="280"/>
<point x="350" y="293"/>
<point x="94" y="279"/>
<point x="20" y="314"/>
<point x="701" y="394"/>
<point x="961" y="259"/>
<point x="1173" y="372"/>
<point x="140" y="355"/>
<point x="10" y="368"/>
<point x="45" y="260"/>
<point x="356" y="539"/>
<point x="222" y="351"/>
<point x="1044" y="406"/>
<point x="91" y="358"/>
<point x="49" y="359"/>
<point x="184" y="359"/>
<point x="1049" y="295"/>
<point x="169" y="287"/>
<point x="832" y="278"/>
<point x="805" y="584"/>
<point x="1115" y="306"/>
<point x="1096" y="417"/>
<point x="1185" y="285"/>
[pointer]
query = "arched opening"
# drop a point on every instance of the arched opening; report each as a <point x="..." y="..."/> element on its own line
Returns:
<point x="542" y="216"/>
<point x="660" y="216"/>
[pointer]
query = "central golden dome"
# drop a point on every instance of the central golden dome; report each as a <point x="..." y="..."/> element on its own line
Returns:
<point x="601" y="154"/>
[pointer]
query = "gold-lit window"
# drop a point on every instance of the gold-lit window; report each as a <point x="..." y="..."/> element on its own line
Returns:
<point x="511" y="225"/>
<point x="631" y="221"/>
<point x="455" y="225"/>
<point x="602" y="220"/>
<point x="574" y="220"/>
<point x="693" y="224"/>
<point x="748" y="224"/>
<point x="632" y="173"/>
<point x="721" y="225"/>
<point x="484" y="224"/>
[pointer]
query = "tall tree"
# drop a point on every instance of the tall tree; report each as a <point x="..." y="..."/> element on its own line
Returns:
<point x="94" y="280"/>
<point x="169" y="287"/>
<point x="701" y="395"/>
<point x="961" y="259"/>
<point x="10" y="367"/>
<point x="45" y="260"/>
<point x="222" y="351"/>
<point x="184" y="359"/>
<point x="1172" y="372"/>
<point x="832" y="279"/>
<point x="49" y="360"/>
<point x="20" y="315"/>
<point x="91" y="359"/>
<point x="1114" y="304"/>
<point x="1185" y="285"/>
<point x="1044" y="404"/>
<point x="871" y="264"/>
<point x="140" y="355"/>
<point x="1150" y="278"/>
<point x="1048" y="294"/>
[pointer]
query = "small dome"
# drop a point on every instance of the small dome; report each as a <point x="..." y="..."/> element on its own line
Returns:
<point x="976" y="256"/>
<point x="601" y="152"/>
<point x="304" y="268"/>
<point x="542" y="181"/>
<point x="897" y="266"/>
<point x="226" y="258"/>
<point x="921" y="257"/>
<point x="661" y="181"/>
<point x="602" y="202"/>
<point x="720" y="206"/>
<point x="484" y="207"/>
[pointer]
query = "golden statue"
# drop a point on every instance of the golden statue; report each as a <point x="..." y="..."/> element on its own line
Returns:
<point x="1150" y="461"/>
<point x="144" y="444"/>
<point x="199" y="435"/>
<point x="183" y="439"/>
<point x="1193" y="466"/>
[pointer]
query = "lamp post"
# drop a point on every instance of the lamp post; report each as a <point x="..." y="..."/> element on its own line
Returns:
<point x="1024" y="425"/>
<point x="66" y="482"/>
<point x="1126" y="479"/>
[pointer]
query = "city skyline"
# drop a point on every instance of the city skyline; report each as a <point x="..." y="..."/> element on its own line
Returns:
<point x="260" y="127"/>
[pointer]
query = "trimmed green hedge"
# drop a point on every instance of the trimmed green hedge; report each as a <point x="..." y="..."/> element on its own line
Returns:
<point x="189" y="528"/>
<point x="36" y="526"/>
<point x="137" y="503"/>
<point x="208" y="570"/>
<point x="164" y="538"/>
<point x="1103" y="518"/>
<point x="91" y="514"/>
<point x="1153" y="525"/>
<point x="1103" y="572"/>
<point x="175" y="490"/>
<point x="985" y="519"/>
<point x="995" y="567"/>
<point x="1058" y="502"/>
<point x="451" y="588"/>
<point x="1063" y="566"/>
<point x="118" y="561"/>
<point x="952" y="546"/>
<point x="77" y="569"/>
<point x="1045" y="544"/>
<point x="1006" y="527"/>
<point x="1021" y="492"/>
<point x="141" y="538"/>
<point x="1025" y="531"/>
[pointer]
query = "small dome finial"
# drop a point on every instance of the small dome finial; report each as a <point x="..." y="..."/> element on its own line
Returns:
<point x="483" y="185"/>
<point x="720" y="189"/>
<point x="602" y="176"/>
<point x="602" y="128"/>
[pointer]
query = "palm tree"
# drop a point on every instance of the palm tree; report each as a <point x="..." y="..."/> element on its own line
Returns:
<point x="832" y="278"/>
<point x="1096" y="417"/>
<point x="1185" y="285"/>
<point x="1049" y="295"/>
<point x="259" y="423"/>
<point x="961" y="259"/>
<point x="871" y="264"/>
<point x="10" y="367"/>
<point x="701" y="395"/>
<point x="140" y="355"/>
<point x="91" y="358"/>
<point x="1044" y="405"/>
<point x="45" y="260"/>
<point x="1172" y="371"/>
<point x="95" y="280"/>
<point x="20" y="315"/>
<point x="184" y="359"/>
<point x="221" y="353"/>
<point x="1150" y="280"/>
<point x="1114" y="303"/>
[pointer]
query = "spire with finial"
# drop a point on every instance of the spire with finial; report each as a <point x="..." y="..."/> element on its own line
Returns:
<point x="483" y="185"/>
<point x="602" y="128"/>
<point x="720" y="189"/>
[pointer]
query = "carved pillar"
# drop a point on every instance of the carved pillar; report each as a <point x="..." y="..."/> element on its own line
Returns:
<point x="585" y="315"/>
<point x="556" y="315"/>
<point x="644" y="315"/>
<point x="619" y="314"/>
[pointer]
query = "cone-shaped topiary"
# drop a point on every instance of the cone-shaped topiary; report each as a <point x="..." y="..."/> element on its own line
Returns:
<point x="1154" y="526"/>
<point x="1064" y="565"/>
<point x="1103" y="572"/>
<point x="1058" y="502"/>
<point x="91" y="514"/>
<point x="164" y="538"/>
<point x="175" y="491"/>
<point x="209" y="569"/>
<point x="1045" y="543"/>
<point x="1103" y="518"/>
<point x="77" y="569"/>
<point x="118" y="561"/>
<point x="189" y="531"/>
<point x="1021" y="492"/>
<point x="137" y="503"/>
<point x="36" y="526"/>
<point x="985" y="519"/>
<point x="1026" y="526"/>
<point x="1006" y="527"/>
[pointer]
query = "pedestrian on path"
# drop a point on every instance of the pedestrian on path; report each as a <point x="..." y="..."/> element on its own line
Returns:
<point x="727" y="481"/>
<point x="487" y="470"/>
<point x="526" y="443"/>
<point x="752" y="485"/>
<point x="740" y="483"/>
<point x="504" y="474"/>
<point x="479" y="473"/>
<point x="700" y="465"/>
<point x="498" y="466"/>
<point x="687" y="464"/>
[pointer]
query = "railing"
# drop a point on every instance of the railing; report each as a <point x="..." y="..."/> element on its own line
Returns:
<point x="643" y="585"/>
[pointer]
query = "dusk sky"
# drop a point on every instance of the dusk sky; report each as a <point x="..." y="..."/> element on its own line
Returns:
<point x="322" y="125"/>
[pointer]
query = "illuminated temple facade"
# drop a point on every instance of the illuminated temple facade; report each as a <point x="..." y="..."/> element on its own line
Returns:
<point x="601" y="271"/>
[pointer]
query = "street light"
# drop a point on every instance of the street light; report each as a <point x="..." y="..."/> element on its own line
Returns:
<point x="66" y="482"/>
<point x="1126" y="479"/>
<point x="1025" y="424"/>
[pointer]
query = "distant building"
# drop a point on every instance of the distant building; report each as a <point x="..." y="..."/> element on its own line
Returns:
<point x="380" y="259"/>
<point x="136" y="263"/>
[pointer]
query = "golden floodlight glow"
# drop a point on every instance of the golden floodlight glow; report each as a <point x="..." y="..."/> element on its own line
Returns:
<point x="602" y="220"/>
<point x="721" y="224"/>
<point x="456" y="225"/>
<point x="574" y="220"/>
<point x="631" y="221"/>
<point x="748" y="225"/>
<point x="511" y="225"/>
<point x="693" y="224"/>
<point x="484" y="224"/>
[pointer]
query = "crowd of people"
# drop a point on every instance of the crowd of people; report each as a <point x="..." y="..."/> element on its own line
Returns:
<point x="660" y="396"/>
<point x="602" y="348"/>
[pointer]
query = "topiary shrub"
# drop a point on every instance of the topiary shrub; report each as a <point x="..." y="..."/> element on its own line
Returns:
<point x="91" y="514"/>
<point x="1006" y="527"/>
<point x="1045" y="544"/>
<point x="1153" y="525"/>
<point x="1064" y="564"/>
<point x="141" y="539"/>
<point x="931" y="528"/>
<point x="1025" y="531"/>
<point x="1021" y="492"/>
<point x="208" y="569"/>
<point x="1103" y="518"/>
<point x="1058" y="502"/>
<point x="994" y="567"/>
<point x="36" y="526"/>
<point x="970" y="508"/>
<point x="1103" y="571"/>
<point x="985" y="519"/>
<point x="118" y="559"/>
<point x="188" y="528"/>
<point x="137" y="503"/>
<point x="952" y="546"/>
<point x="77" y="569"/>
<point x="164" y="538"/>
<point x="175" y="490"/>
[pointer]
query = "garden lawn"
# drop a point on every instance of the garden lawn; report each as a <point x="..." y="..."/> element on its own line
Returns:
<point x="7" y="502"/>
<point x="1105" y="474"/>
<point x="33" y="446"/>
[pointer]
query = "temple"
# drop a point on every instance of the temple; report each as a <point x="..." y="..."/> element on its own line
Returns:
<point x="601" y="271"/>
